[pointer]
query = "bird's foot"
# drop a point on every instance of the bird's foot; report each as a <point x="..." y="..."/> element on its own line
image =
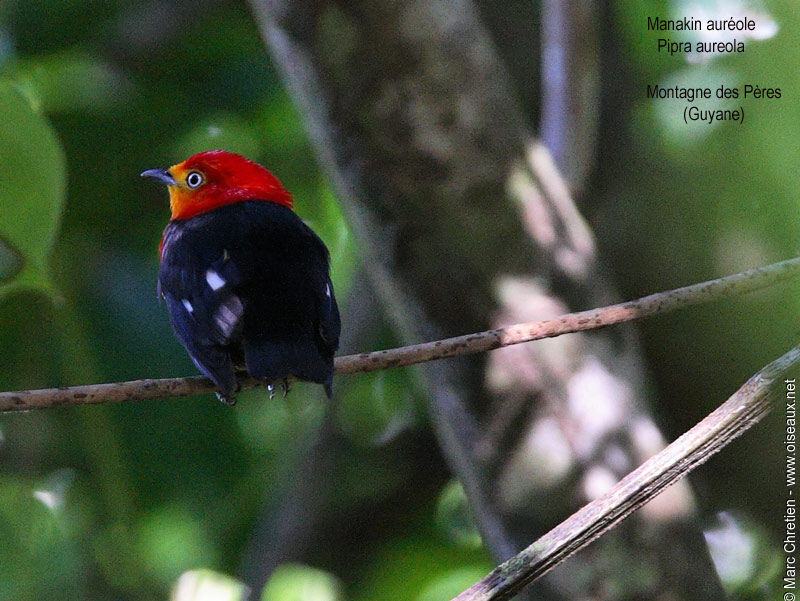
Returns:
<point x="284" y="385"/>
<point x="227" y="399"/>
<point x="230" y="398"/>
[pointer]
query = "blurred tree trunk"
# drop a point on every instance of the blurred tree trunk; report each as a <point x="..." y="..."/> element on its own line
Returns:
<point x="466" y="224"/>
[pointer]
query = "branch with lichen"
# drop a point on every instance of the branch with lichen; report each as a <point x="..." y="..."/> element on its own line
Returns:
<point x="740" y="412"/>
<point x="661" y="302"/>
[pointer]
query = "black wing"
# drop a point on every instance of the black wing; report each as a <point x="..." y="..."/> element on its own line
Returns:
<point x="329" y="320"/>
<point x="199" y="285"/>
<point x="254" y="275"/>
<point x="291" y="324"/>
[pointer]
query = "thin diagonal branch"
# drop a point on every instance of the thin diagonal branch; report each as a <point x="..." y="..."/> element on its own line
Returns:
<point x="661" y="302"/>
<point x="741" y="411"/>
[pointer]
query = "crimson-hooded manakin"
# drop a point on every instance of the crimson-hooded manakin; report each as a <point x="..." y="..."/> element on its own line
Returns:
<point x="246" y="281"/>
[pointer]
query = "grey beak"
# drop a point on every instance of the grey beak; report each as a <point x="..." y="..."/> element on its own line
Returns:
<point x="161" y="175"/>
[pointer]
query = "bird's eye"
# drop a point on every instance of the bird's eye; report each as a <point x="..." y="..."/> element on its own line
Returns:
<point x="194" y="179"/>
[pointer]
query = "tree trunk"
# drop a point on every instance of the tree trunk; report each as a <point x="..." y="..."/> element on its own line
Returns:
<point x="466" y="224"/>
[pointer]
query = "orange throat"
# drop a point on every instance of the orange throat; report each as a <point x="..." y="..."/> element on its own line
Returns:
<point x="185" y="204"/>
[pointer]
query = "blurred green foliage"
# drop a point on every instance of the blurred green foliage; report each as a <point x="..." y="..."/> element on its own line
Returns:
<point x="28" y="229"/>
<point x="120" y="501"/>
<point x="749" y="566"/>
<point x="301" y="583"/>
<point x="197" y="585"/>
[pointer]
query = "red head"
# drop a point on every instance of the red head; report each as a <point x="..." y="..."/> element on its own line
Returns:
<point x="216" y="178"/>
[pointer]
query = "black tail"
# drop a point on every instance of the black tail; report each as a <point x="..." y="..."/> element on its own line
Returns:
<point x="273" y="360"/>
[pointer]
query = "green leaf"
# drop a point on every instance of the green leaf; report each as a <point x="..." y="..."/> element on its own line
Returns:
<point x="172" y="540"/>
<point x="415" y="566"/>
<point x="454" y="517"/>
<point x="68" y="81"/>
<point x="199" y="585"/>
<point x="376" y="407"/>
<point x="294" y="582"/>
<point x="33" y="176"/>
<point x="451" y="583"/>
<point x="38" y="559"/>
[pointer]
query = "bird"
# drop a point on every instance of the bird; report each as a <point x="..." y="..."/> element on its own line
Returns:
<point x="245" y="280"/>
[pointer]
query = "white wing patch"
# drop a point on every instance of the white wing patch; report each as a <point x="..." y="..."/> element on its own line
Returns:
<point x="227" y="316"/>
<point x="187" y="305"/>
<point x="328" y="290"/>
<point x="215" y="281"/>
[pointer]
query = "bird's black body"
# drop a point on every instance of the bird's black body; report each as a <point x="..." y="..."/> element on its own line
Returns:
<point x="250" y="280"/>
